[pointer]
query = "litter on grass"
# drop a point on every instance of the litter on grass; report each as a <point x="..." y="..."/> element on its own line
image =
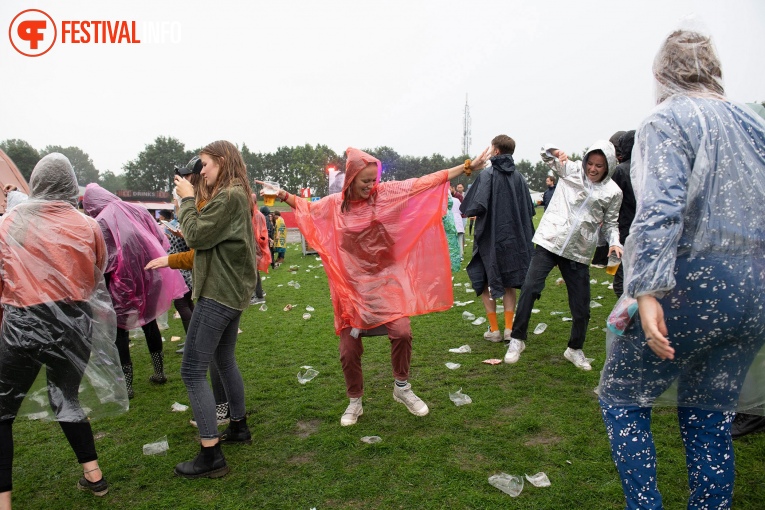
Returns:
<point x="176" y="315"/>
<point x="157" y="448"/>
<point x="479" y="321"/>
<point x="287" y="308"/>
<point x="175" y="338"/>
<point x="468" y="316"/>
<point x="535" y="310"/>
<point x="461" y="350"/>
<point x="452" y="366"/>
<point x="539" y="480"/>
<point x="306" y="375"/>
<point x="179" y="408"/>
<point x="239" y="331"/>
<point x="594" y="281"/>
<point x="459" y="398"/>
<point x="557" y="313"/>
<point x="598" y="297"/>
<point x="306" y="316"/>
<point x="309" y="309"/>
<point x="567" y="319"/>
<point x="492" y="361"/>
<point x="559" y="281"/>
<point x="595" y="304"/>
<point x="541" y="327"/>
<point x="263" y="307"/>
<point x="509" y="484"/>
<point x="371" y="439"/>
<point x="605" y="283"/>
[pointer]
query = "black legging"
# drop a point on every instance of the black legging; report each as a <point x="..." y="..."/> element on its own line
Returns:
<point x="185" y="307"/>
<point x="56" y="335"/>
<point x="153" y="341"/>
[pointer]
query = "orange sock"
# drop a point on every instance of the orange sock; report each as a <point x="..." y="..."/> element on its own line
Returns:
<point x="509" y="320"/>
<point x="493" y="325"/>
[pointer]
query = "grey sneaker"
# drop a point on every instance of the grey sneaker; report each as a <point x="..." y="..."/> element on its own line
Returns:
<point x="351" y="414"/>
<point x="508" y="333"/>
<point x="412" y="402"/>
<point x="493" y="336"/>
<point x="514" y="350"/>
<point x="576" y="356"/>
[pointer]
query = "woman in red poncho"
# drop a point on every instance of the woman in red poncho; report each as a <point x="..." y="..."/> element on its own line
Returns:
<point x="384" y="250"/>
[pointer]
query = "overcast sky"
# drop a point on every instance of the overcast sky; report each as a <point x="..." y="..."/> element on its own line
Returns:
<point x="358" y="73"/>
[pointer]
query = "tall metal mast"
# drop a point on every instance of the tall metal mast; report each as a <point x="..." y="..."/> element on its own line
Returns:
<point x="466" y="136"/>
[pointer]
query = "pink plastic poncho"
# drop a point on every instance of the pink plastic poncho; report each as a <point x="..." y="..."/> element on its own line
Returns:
<point x="132" y="240"/>
<point x="387" y="257"/>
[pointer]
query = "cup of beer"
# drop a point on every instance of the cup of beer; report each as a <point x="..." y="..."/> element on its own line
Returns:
<point x="613" y="264"/>
<point x="270" y="189"/>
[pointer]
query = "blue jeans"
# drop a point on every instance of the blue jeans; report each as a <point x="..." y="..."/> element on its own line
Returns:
<point x="212" y="339"/>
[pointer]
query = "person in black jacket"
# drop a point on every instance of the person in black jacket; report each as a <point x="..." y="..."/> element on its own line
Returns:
<point x="548" y="194"/>
<point x="621" y="177"/>
<point x="500" y="200"/>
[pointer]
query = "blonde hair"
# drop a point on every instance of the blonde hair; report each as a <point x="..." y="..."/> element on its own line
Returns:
<point x="687" y="63"/>
<point x="232" y="171"/>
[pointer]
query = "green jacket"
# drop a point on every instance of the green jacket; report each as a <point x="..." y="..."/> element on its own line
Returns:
<point x="225" y="261"/>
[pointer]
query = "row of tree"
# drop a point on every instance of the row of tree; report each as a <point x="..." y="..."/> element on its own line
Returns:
<point x="292" y="167"/>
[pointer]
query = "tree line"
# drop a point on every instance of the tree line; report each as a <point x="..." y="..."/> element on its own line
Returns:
<point x="293" y="168"/>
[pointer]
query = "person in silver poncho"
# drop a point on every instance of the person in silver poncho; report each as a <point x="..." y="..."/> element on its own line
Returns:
<point x="694" y="272"/>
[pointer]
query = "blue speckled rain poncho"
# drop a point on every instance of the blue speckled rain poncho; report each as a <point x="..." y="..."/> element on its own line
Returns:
<point x="698" y="245"/>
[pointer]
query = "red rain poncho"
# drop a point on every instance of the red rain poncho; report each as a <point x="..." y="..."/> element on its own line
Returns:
<point x="387" y="257"/>
<point x="260" y="230"/>
<point x="132" y="240"/>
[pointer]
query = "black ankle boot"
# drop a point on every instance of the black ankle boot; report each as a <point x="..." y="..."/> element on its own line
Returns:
<point x="209" y="463"/>
<point x="237" y="432"/>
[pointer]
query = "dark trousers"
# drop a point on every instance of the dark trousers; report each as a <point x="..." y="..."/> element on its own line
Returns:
<point x="185" y="307"/>
<point x="153" y="341"/>
<point x="619" y="281"/>
<point x="57" y="336"/>
<point x="577" y="278"/>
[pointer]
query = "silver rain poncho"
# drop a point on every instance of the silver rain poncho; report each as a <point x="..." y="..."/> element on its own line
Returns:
<point x="570" y="225"/>
<point x="697" y="244"/>
<point x="58" y="359"/>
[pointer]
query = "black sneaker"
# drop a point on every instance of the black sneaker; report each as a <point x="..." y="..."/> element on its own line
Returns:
<point x="99" y="488"/>
<point x="745" y="424"/>
<point x="158" y="379"/>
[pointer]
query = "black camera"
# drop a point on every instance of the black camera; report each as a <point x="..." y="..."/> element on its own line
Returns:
<point x="194" y="166"/>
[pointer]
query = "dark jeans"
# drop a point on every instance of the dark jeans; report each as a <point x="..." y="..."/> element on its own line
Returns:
<point x="153" y="341"/>
<point x="601" y="255"/>
<point x="577" y="278"/>
<point x="212" y="338"/>
<point x="56" y="335"/>
<point x="259" y="287"/>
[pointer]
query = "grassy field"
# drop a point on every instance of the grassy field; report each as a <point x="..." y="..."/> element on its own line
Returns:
<point x="538" y="415"/>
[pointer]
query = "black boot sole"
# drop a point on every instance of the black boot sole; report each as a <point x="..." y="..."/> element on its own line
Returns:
<point x="215" y="473"/>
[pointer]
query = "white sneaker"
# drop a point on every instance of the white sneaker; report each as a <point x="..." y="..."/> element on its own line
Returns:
<point x="412" y="402"/>
<point x="351" y="414"/>
<point x="576" y="356"/>
<point x="508" y="333"/>
<point x="514" y="350"/>
<point x="493" y="336"/>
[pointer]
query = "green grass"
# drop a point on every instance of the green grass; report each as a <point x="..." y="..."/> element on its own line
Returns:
<point x="538" y="415"/>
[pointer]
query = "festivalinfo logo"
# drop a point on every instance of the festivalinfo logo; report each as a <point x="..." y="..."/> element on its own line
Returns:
<point x="33" y="32"/>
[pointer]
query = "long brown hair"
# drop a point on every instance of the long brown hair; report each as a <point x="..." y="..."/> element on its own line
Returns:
<point x="232" y="170"/>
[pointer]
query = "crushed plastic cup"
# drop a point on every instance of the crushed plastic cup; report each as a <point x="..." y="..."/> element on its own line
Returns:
<point x="500" y="309"/>
<point x="289" y="307"/>
<point x="541" y="327"/>
<point x="306" y="316"/>
<point x="468" y="316"/>
<point x="535" y="310"/>
<point x="567" y="319"/>
<point x="479" y="321"/>
<point x="178" y="408"/>
<point x="605" y="283"/>
<point x="371" y="439"/>
<point x="539" y="480"/>
<point x="306" y="375"/>
<point x="509" y="484"/>
<point x="595" y="304"/>
<point x="557" y="313"/>
<point x="559" y="281"/>
<point x="263" y="307"/>
<point x="176" y="315"/>
<point x="452" y="366"/>
<point x="175" y="338"/>
<point x="464" y="349"/>
<point x="468" y="285"/>
<point x="158" y="448"/>
<point x="492" y="361"/>
<point x="594" y="281"/>
<point x="459" y="398"/>
<point x="309" y="309"/>
<point x="468" y="290"/>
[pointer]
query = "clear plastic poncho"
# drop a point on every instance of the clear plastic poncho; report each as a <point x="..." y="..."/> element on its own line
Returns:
<point x="697" y="244"/>
<point x="58" y="359"/>
<point x="386" y="257"/>
<point x="133" y="238"/>
<point x="451" y="234"/>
